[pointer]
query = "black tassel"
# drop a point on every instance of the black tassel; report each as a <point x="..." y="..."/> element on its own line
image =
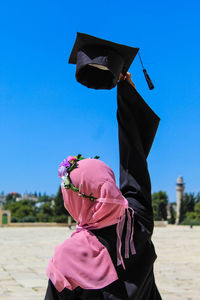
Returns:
<point x="148" y="79"/>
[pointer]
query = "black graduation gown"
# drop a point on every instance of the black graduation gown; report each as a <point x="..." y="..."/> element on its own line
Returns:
<point x="137" y="125"/>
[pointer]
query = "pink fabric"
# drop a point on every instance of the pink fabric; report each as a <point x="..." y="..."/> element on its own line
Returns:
<point x="82" y="260"/>
<point x="94" y="176"/>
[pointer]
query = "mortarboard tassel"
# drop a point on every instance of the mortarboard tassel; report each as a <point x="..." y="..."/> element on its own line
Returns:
<point x="148" y="79"/>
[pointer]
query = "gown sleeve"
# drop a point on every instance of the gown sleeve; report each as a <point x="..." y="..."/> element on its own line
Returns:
<point x="137" y="125"/>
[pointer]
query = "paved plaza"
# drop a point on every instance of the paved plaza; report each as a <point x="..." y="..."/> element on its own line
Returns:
<point x="25" y="252"/>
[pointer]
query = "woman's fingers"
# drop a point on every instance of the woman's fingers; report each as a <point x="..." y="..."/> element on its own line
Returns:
<point x="127" y="77"/>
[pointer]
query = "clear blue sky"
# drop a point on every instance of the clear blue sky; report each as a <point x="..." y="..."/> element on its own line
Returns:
<point x="45" y="115"/>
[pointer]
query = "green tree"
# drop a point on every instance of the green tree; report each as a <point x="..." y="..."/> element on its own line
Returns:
<point x="45" y="198"/>
<point x="190" y="209"/>
<point x="159" y="203"/>
<point x="192" y="218"/>
<point x="11" y="198"/>
<point x="197" y="209"/>
<point x="198" y="197"/>
<point x="172" y="219"/>
<point x="60" y="213"/>
<point x="22" y="209"/>
<point x="187" y="205"/>
<point x="46" y="213"/>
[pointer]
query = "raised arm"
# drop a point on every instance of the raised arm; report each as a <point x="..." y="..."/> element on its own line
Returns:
<point x="137" y="125"/>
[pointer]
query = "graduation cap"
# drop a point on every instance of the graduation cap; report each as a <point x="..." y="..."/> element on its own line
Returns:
<point x="99" y="62"/>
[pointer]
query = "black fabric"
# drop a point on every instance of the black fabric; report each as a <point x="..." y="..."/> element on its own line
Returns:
<point x="88" y="73"/>
<point x="89" y="52"/>
<point x="137" y="125"/>
<point x="77" y="294"/>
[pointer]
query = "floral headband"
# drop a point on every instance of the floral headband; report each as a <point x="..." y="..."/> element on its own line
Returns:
<point x="66" y="166"/>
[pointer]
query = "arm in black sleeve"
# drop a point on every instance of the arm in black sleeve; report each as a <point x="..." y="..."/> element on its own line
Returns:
<point x="137" y="125"/>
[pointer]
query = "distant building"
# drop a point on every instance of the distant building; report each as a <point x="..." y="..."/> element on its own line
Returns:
<point x="5" y="217"/>
<point x="2" y="200"/>
<point x="179" y="196"/>
<point x="27" y="196"/>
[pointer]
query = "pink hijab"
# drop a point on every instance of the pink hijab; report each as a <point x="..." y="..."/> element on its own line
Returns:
<point x="82" y="260"/>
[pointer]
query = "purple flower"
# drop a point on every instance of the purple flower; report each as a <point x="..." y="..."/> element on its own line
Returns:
<point x="63" y="168"/>
<point x="62" y="171"/>
<point x="65" y="163"/>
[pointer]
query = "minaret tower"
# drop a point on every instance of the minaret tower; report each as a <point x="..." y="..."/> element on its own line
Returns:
<point x="179" y="196"/>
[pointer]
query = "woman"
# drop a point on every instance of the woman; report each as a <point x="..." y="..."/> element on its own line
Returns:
<point x="111" y="255"/>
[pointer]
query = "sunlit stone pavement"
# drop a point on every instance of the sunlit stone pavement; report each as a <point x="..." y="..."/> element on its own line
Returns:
<point x="25" y="252"/>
